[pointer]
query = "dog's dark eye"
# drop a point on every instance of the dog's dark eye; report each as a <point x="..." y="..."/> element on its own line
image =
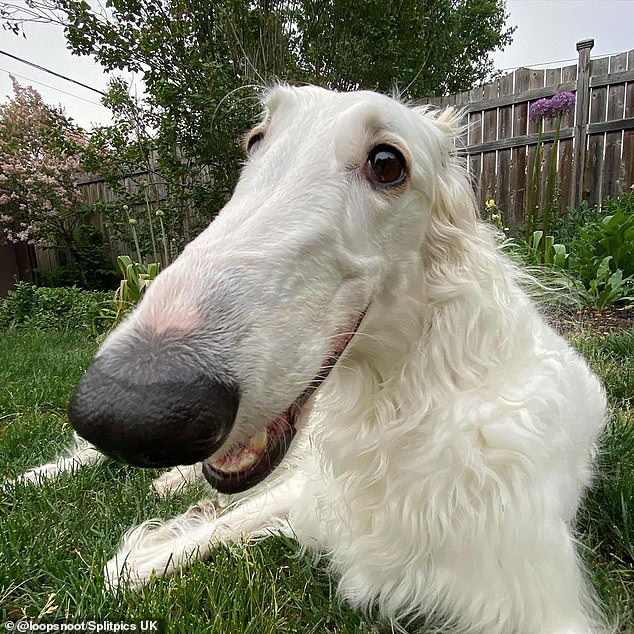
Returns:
<point x="385" y="166"/>
<point x="253" y="141"/>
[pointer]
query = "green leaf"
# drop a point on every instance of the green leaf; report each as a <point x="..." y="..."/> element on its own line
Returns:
<point x="604" y="268"/>
<point x="561" y="256"/>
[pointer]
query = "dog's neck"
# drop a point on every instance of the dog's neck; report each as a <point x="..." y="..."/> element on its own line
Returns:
<point x="436" y="330"/>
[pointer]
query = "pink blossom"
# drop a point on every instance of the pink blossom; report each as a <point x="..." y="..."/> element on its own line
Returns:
<point x="37" y="175"/>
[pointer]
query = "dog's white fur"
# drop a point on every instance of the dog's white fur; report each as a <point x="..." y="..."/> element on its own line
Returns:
<point x="447" y="453"/>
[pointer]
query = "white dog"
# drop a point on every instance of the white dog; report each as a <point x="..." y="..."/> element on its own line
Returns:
<point x="349" y="294"/>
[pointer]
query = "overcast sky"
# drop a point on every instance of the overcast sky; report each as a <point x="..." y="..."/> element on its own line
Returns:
<point x="547" y="31"/>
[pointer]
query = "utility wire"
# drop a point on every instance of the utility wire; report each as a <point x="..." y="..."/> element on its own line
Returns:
<point x="555" y="61"/>
<point x="51" y="72"/>
<point x="70" y="94"/>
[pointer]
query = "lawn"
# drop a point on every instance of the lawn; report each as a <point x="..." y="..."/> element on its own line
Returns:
<point x="55" y="539"/>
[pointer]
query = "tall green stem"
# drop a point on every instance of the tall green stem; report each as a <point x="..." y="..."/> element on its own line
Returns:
<point x="163" y="237"/>
<point x="149" y="219"/>
<point x="532" y="191"/>
<point x="550" y="181"/>
<point x="132" y="223"/>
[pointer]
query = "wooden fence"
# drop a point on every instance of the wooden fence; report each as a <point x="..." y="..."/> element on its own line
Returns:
<point x="596" y="150"/>
<point x="595" y="156"/>
<point x="94" y="189"/>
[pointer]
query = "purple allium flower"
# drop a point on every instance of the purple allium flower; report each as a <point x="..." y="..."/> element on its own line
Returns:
<point x="562" y="103"/>
<point x="538" y="109"/>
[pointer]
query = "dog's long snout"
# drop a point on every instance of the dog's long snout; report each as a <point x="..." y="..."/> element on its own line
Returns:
<point x="153" y="411"/>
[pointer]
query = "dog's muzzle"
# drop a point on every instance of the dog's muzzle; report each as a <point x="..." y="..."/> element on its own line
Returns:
<point x="153" y="409"/>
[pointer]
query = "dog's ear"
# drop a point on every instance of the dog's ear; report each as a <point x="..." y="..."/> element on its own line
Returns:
<point x="451" y="121"/>
<point x="454" y="203"/>
<point x="456" y="245"/>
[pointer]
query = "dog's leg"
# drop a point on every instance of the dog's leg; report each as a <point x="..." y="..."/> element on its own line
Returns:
<point x="153" y="548"/>
<point x="177" y="479"/>
<point x="529" y="584"/>
<point x="80" y="454"/>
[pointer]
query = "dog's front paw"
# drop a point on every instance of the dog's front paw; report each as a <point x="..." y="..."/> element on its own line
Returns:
<point x="176" y="480"/>
<point x="37" y="475"/>
<point x="155" y="549"/>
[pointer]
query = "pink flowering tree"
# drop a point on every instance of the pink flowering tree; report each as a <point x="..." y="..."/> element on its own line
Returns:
<point x="40" y="159"/>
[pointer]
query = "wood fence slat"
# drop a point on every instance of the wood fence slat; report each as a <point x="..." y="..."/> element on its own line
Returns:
<point x="535" y="80"/>
<point x="565" y="165"/>
<point x="594" y="158"/>
<point x="527" y="95"/>
<point x="552" y="79"/>
<point x="612" y="78"/>
<point x="505" y="130"/>
<point x="611" y="126"/>
<point x="627" y="163"/>
<point x="614" y="140"/>
<point x="518" y="154"/>
<point x="527" y="139"/>
<point x="475" y="136"/>
<point x="489" y="133"/>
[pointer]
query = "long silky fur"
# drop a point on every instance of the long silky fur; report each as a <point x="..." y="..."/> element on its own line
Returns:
<point x="433" y="461"/>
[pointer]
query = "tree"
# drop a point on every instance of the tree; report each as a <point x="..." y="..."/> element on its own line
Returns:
<point x="420" y="47"/>
<point x="41" y="157"/>
<point x="39" y="163"/>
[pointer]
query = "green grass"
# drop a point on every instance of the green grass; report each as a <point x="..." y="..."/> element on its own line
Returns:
<point x="55" y="539"/>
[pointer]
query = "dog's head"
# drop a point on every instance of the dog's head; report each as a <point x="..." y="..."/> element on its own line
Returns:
<point x="219" y="361"/>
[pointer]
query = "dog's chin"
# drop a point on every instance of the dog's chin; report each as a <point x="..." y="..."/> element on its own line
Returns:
<point x="247" y="463"/>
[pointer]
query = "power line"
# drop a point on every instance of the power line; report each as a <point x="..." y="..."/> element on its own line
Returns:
<point x="555" y="61"/>
<point x="51" y="72"/>
<point x="70" y="94"/>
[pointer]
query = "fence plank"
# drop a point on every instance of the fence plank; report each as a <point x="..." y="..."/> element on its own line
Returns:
<point x="627" y="163"/>
<point x="489" y="133"/>
<point x="565" y="165"/>
<point x="552" y="79"/>
<point x="475" y="136"/>
<point x="535" y="80"/>
<point x="614" y="140"/>
<point x="594" y="159"/>
<point x="527" y="139"/>
<point x="527" y="95"/>
<point x="505" y="130"/>
<point x="518" y="154"/>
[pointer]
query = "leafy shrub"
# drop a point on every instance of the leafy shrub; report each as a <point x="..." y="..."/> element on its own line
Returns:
<point x="56" y="308"/>
<point x="136" y="277"/>
<point x="564" y="227"/>
<point x="592" y="250"/>
<point x="609" y="236"/>
<point x="602" y="253"/>
<point x="542" y="249"/>
<point x="89" y="268"/>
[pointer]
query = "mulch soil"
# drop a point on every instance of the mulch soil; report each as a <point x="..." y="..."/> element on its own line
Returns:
<point x="604" y="322"/>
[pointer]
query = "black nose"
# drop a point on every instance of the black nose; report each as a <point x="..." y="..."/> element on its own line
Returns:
<point x="153" y="411"/>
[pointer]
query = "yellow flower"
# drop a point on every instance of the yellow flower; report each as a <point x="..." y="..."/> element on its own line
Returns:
<point x="490" y="203"/>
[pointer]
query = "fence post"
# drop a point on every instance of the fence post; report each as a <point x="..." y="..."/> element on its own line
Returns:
<point x="581" y="118"/>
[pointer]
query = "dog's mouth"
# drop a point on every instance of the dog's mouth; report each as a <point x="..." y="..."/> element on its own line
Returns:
<point x="247" y="463"/>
